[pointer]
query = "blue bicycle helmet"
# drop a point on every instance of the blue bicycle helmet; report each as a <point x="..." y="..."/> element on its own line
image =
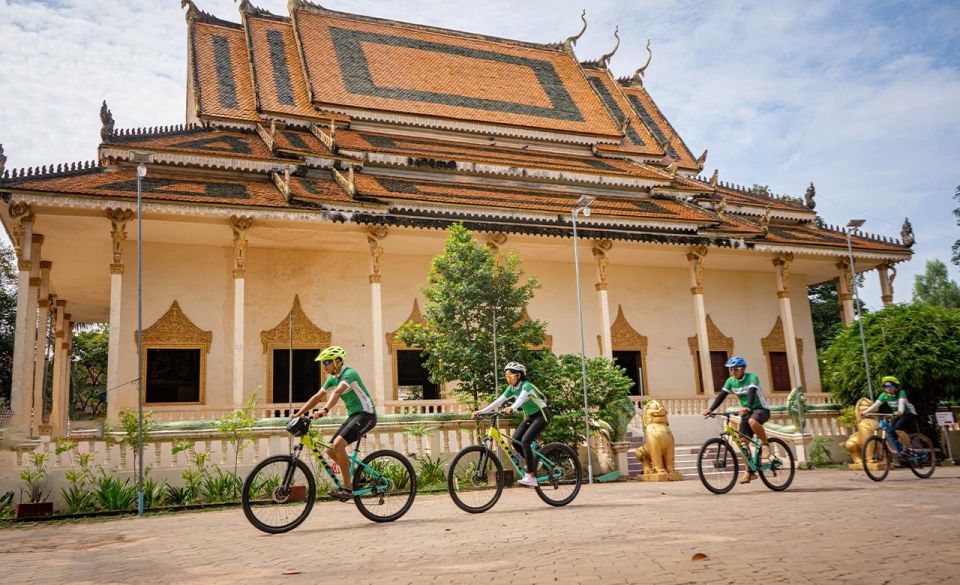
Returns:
<point x="736" y="362"/>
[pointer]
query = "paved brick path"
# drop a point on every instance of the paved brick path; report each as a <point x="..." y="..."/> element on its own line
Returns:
<point x="830" y="527"/>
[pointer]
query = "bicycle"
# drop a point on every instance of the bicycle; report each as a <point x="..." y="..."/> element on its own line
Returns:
<point x="279" y="493"/>
<point x="878" y="451"/>
<point x="718" y="465"/>
<point x="475" y="478"/>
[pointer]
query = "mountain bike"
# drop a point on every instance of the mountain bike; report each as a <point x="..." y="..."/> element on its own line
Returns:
<point x="279" y="493"/>
<point x="475" y="478"/>
<point x="718" y="464"/>
<point x="878" y="451"/>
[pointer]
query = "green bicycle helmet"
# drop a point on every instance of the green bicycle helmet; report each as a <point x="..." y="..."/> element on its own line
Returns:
<point x="331" y="353"/>
<point x="891" y="379"/>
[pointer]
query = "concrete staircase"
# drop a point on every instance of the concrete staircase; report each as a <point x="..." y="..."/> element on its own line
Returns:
<point x="685" y="457"/>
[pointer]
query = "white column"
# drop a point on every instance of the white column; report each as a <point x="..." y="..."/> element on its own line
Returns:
<point x="695" y="257"/>
<point x="58" y="411"/>
<point x="67" y="348"/>
<point x="20" y="395"/>
<point x="30" y="351"/>
<point x="600" y="249"/>
<point x="240" y="227"/>
<point x="40" y="353"/>
<point x="375" y="237"/>
<point x="844" y="292"/>
<point x="782" y="265"/>
<point x="118" y="221"/>
<point x="887" y="272"/>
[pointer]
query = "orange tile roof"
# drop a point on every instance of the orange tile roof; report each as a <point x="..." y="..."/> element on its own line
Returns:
<point x="201" y="141"/>
<point x="489" y="196"/>
<point x="449" y="150"/>
<point x="638" y="138"/>
<point x="739" y="225"/>
<point x="816" y="236"/>
<point x="389" y="66"/>
<point x="278" y="72"/>
<point x="301" y="142"/>
<point x="653" y="118"/>
<point x="743" y="197"/>
<point x="221" y="70"/>
<point x="318" y="189"/>
<point x="159" y="185"/>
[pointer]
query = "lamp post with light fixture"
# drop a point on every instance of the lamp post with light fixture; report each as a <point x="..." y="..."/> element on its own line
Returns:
<point x="583" y="205"/>
<point x="853" y="225"/>
<point x="141" y="159"/>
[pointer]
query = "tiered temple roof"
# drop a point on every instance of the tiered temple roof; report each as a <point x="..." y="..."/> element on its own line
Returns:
<point x="321" y="111"/>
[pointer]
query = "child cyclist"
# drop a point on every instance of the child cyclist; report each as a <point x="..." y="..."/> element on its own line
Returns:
<point x="529" y="399"/>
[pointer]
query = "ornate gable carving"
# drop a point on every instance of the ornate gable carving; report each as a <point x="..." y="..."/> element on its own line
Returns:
<point x="715" y="338"/>
<point x="415" y="317"/>
<point x="547" y="338"/>
<point x="623" y="337"/>
<point x="175" y="329"/>
<point x="305" y="333"/>
<point x="775" y="341"/>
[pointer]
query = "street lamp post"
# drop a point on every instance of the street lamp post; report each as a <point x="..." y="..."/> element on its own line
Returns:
<point x="141" y="159"/>
<point x="853" y="225"/>
<point x="583" y="205"/>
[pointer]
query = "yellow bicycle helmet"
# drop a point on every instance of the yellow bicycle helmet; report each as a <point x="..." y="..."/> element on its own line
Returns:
<point x="891" y="379"/>
<point x="331" y="353"/>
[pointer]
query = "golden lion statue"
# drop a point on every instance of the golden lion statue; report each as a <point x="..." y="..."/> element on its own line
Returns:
<point x="865" y="429"/>
<point x="657" y="452"/>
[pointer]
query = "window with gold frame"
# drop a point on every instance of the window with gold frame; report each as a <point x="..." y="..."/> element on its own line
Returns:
<point x="773" y="345"/>
<point x="175" y="360"/>
<point x="295" y="330"/>
<point x="719" y="343"/>
<point x="629" y="349"/>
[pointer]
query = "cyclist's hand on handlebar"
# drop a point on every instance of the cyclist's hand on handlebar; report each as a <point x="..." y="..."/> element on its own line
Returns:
<point x="508" y="410"/>
<point x="743" y="411"/>
<point x="706" y="412"/>
<point x="319" y="414"/>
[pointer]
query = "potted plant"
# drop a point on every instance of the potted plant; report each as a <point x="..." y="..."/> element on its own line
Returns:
<point x="34" y="480"/>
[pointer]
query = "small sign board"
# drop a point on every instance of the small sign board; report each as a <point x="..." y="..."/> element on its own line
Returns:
<point x="945" y="418"/>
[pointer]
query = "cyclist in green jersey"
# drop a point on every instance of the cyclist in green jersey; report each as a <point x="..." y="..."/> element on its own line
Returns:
<point x="530" y="400"/>
<point x="753" y="408"/>
<point x="342" y="381"/>
<point x="895" y="398"/>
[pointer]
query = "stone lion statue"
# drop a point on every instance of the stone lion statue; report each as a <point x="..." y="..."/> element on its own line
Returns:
<point x="865" y="428"/>
<point x="657" y="451"/>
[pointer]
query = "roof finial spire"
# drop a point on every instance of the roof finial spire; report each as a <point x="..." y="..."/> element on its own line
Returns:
<point x="3" y="160"/>
<point x="702" y="159"/>
<point x="106" y="119"/>
<point x="637" y="78"/>
<point x="605" y="60"/>
<point x="570" y="42"/>
<point x="714" y="178"/>
<point x="906" y="233"/>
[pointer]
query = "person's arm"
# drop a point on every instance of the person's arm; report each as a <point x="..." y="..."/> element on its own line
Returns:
<point x="523" y="397"/>
<point x="494" y="405"/>
<point x="751" y="394"/>
<point x="335" y="396"/>
<point x="309" y="404"/>
<point x="718" y="401"/>
<point x="872" y="407"/>
<point x="902" y="404"/>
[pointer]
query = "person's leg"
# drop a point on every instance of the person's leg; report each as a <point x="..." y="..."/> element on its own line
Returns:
<point x="757" y="418"/>
<point x="746" y="433"/>
<point x="518" y="434"/>
<point x="339" y="454"/>
<point x="902" y="426"/>
<point x="537" y="424"/>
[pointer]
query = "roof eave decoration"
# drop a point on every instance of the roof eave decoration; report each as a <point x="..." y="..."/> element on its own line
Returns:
<point x="248" y="9"/>
<point x="3" y="161"/>
<point x="194" y="14"/>
<point x="107" y="123"/>
<point x="906" y="233"/>
<point x="637" y="77"/>
<point x="571" y="41"/>
<point x="604" y="61"/>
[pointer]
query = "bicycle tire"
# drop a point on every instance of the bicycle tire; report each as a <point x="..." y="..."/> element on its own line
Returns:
<point x="368" y="504"/>
<point x="250" y="503"/>
<point x="570" y="465"/>
<point x="922" y="468"/>
<point x="876" y="454"/>
<point x="478" y="478"/>
<point x="769" y="476"/>
<point x="710" y="464"/>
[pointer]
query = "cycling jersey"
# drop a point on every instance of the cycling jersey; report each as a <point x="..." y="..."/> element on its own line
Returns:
<point x="528" y="398"/>
<point x="896" y="402"/>
<point x="742" y="389"/>
<point x="356" y="398"/>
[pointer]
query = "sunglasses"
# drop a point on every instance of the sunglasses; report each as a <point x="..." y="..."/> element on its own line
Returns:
<point x="889" y="386"/>
<point x="326" y="362"/>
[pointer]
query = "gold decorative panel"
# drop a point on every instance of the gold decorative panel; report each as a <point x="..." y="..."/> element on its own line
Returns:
<point x="306" y="334"/>
<point x="715" y="338"/>
<point x="174" y="329"/>
<point x="776" y="341"/>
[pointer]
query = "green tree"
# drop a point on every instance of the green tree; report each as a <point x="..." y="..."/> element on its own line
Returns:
<point x="8" y="316"/>
<point x="935" y="287"/>
<point x="918" y="343"/>
<point x="825" y="310"/>
<point x="560" y="379"/>
<point x="89" y="378"/>
<point x="956" y="245"/>
<point x="469" y="290"/>
<point x="761" y="189"/>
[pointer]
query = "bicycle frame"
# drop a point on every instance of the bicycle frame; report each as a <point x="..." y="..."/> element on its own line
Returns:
<point x="731" y="435"/>
<point x="891" y="440"/>
<point x="315" y="446"/>
<point x="494" y="435"/>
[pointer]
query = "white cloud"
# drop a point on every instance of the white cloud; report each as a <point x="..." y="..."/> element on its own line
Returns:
<point x="861" y="98"/>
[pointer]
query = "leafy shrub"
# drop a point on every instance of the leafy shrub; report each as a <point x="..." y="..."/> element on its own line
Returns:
<point x="431" y="473"/>
<point x="114" y="494"/>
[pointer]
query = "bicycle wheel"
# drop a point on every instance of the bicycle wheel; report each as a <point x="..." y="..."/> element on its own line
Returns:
<point x="876" y="459"/>
<point x="780" y="476"/>
<point x="717" y="465"/>
<point x="392" y="483"/>
<point x="559" y="473"/>
<point x="925" y="461"/>
<point x="273" y="504"/>
<point x="475" y="479"/>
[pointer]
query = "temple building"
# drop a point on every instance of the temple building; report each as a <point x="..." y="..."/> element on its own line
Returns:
<point x="322" y="157"/>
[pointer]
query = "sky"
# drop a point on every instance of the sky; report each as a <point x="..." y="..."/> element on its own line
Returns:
<point x="862" y="98"/>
